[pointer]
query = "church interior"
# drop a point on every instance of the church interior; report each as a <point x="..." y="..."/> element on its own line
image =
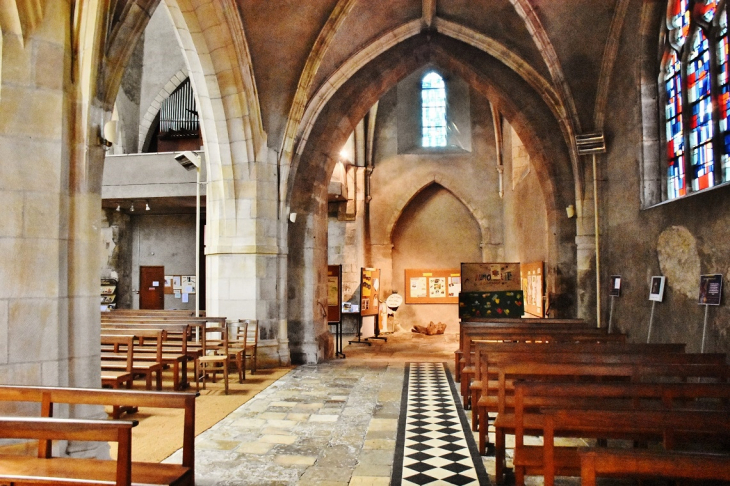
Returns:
<point x="218" y="156"/>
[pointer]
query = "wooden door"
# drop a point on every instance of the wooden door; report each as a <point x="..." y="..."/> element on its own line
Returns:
<point x="151" y="287"/>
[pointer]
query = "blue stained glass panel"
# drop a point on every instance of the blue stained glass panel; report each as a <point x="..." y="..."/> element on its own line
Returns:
<point x="700" y="120"/>
<point x="433" y="111"/>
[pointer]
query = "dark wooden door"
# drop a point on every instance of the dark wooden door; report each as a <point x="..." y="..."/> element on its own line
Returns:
<point x="151" y="287"/>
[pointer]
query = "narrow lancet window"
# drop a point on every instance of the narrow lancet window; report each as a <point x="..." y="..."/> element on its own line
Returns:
<point x="433" y="110"/>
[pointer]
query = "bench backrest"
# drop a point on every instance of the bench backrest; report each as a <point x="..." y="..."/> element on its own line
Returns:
<point x="47" y="396"/>
<point x="46" y="429"/>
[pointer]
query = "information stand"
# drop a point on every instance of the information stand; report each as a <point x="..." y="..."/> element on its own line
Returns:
<point x="334" y="304"/>
<point x="370" y="298"/>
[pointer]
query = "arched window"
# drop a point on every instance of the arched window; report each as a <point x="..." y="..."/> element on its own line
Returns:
<point x="433" y="111"/>
<point x="696" y="46"/>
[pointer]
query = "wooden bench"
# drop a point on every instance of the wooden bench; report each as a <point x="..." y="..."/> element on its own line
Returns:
<point x="146" y="368"/>
<point x="167" y="352"/>
<point x="145" y="473"/>
<point x="525" y="336"/>
<point x="570" y="352"/>
<point x="667" y="426"/>
<point x="119" y="378"/>
<point x="651" y="464"/>
<point x="545" y="371"/>
<point x="482" y="323"/>
<point x="531" y="396"/>
<point x="45" y="469"/>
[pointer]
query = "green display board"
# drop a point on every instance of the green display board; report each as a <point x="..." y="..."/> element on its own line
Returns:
<point x="501" y="304"/>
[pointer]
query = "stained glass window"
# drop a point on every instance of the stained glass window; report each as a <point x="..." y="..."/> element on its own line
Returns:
<point x="723" y="96"/>
<point x="433" y="111"/>
<point x="676" y="181"/>
<point x="704" y="126"/>
<point x="700" y="116"/>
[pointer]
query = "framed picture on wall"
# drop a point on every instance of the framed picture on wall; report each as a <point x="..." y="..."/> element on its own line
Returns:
<point x="656" y="290"/>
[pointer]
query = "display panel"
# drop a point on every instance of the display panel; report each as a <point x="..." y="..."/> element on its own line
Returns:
<point x="432" y="286"/>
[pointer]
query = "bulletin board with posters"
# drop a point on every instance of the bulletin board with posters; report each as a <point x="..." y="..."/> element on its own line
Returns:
<point x="432" y="286"/>
<point x="533" y="281"/>
<point x="369" y="291"/>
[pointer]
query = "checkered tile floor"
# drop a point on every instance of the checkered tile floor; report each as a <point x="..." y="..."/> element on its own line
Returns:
<point x="432" y="446"/>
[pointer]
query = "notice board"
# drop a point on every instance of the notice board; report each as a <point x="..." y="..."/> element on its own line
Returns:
<point x="334" y="292"/>
<point x="490" y="277"/>
<point x="369" y="291"/>
<point x="432" y="286"/>
<point x="533" y="282"/>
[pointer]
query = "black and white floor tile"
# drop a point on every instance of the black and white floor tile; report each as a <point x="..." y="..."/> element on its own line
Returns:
<point x="434" y="444"/>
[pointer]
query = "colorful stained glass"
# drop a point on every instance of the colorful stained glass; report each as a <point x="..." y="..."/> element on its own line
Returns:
<point x="676" y="181"/>
<point x="706" y="10"/>
<point x="700" y="119"/>
<point x="723" y="96"/>
<point x="433" y="111"/>
<point x="678" y="22"/>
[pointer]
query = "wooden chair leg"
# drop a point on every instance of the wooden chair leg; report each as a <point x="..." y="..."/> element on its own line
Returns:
<point x="225" y="376"/>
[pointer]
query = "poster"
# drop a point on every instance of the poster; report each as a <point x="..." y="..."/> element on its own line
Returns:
<point x="176" y="282"/>
<point x="188" y="284"/>
<point x="710" y="289"/>
<point x="533" y="283"/>
<point x="418" y="287"/>
<point x="656" y="291"/>
<point x="168" y="284"/>
<point x="454" y="286"/>
<point x="333" y="290"/>
<point x="436" y="287"/>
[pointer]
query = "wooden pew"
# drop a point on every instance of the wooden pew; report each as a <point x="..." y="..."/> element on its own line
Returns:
<point x="572" y="372"/>
<point x="45" y="469"/>
<point x="465" y="327"/>
<point x="484" y="323"/>
<point x="524" y="335"/>
<point x="175" y="356"/>
<point x="484" y="349"/>
<point x="630" y="370"/>
<point x="140" y="367"/>
<point x="146" y="473"/>
<point x="179" y="338"/>
<point x="668" y="426"/>
<point x="117" y="378"/>
<point x="652" y="464"/>
<point x="531" y="396"/>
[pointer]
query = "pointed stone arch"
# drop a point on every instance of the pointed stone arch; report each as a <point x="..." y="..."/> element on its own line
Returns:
<point x="417" y="185"/>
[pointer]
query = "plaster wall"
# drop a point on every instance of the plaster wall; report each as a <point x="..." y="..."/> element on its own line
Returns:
<point x="164" y="240"/>
<point x="525" y="223"/>
<point x="162" y="58"/>
<point x="680" y="239"/>
<point x="432" y="210"/>
<point x="435" y="231"/>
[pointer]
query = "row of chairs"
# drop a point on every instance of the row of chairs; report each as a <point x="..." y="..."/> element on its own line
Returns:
<point x="236" y="343"/>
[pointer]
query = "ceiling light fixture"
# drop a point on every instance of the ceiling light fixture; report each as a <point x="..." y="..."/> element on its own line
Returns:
<point x="131" y="208"/>
<point x="119" y="207"/>
<point x="146" y="206"/>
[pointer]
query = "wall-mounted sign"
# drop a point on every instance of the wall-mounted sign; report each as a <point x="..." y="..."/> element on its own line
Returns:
<point x="490" y="277"/>
<point x="615" y="287"/>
